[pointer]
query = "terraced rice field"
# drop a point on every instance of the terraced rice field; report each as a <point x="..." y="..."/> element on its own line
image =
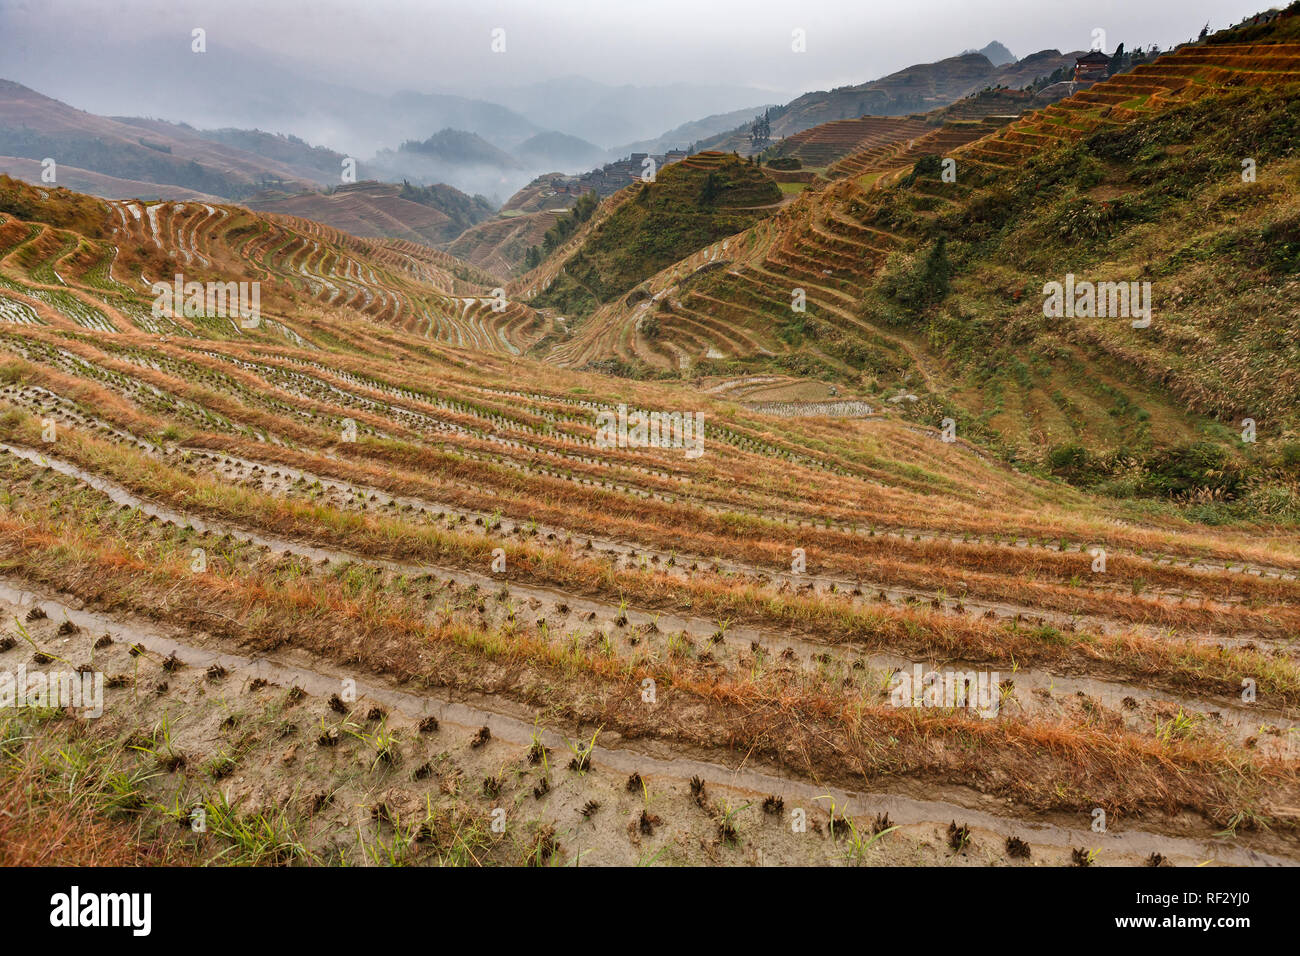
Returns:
<point x="830" y="245"/>
<point x="452" y="539"/>
<point x="1174" y="78"/>
<point x="307" y="269"/>
<point x="369" y="582"/>
<point x="722" y="299"/>
<point x="822" y="145"/>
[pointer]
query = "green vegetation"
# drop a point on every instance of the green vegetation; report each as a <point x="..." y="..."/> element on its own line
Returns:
<point x="685" y="209"/>
<point x="464" y="210"/>
<point x="1283" y="29"/>
<point x="556" y="236"/>
<point x="62" y="208"/>
<point x="1152" y="412"/>
<point x="918" y="284"/>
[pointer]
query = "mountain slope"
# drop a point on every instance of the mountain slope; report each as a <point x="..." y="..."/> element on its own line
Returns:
<point x="431" y="214"/>
<point x="317" y="163"/>
<point x="935" y="290"/>
<point x="915" y="89"/>
<point x="559" y="151"/>
<point x="681" y="137"/>
<point x="606" y="114"/>
<point x="100" y="260"/>
<point x="457" y="157"/>
<point x="691" y="204"/>
<point x="455" y="147"/>
<point x="501" y="245"/>
<point x="335" y="492"/>
<point x="34" y="127"/>
<point x="97" y="184"/>
<point x="995" y="52"/>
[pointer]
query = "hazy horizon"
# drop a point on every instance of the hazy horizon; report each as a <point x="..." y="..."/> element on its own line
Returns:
<point x="612" y="75"/>
<point x="67" y="48"/>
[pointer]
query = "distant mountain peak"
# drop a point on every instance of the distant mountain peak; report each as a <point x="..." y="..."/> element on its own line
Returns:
<point x="997" y="54"/>
<point x="461" y="146"/>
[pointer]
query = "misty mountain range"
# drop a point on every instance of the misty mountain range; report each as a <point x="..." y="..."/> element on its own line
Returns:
<point x="218" y="104"/>
<point x="253" y="89"/>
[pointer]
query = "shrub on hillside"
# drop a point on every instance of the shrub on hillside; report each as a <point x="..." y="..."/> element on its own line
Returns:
<point x="1086" y="219"/>
<point x="711" y="188"/>
<point x="800" y="363"/>
<point x="18" y="205"/>
<point x="931" y="164"/>
<point x="56" y="206"/>
<point x="991" y="208"/>
<point x="919" y="283"/>
<point x="621" y="369"/>
<point x="1187" y="470"/>
<point x="1088" y="173"/>
<point x="928" y="166"/>
<point x="1281" y="239"/>
<point x="1071" y="462"/>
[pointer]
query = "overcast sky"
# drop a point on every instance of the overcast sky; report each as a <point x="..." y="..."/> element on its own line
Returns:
<point x="428" y="45"/>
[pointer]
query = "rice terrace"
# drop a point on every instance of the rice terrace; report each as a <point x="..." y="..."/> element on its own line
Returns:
<point x="895" y="474"/>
